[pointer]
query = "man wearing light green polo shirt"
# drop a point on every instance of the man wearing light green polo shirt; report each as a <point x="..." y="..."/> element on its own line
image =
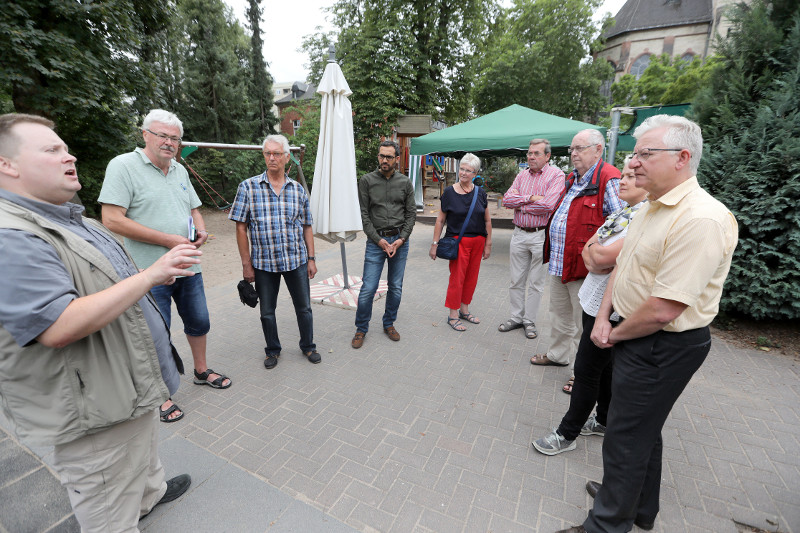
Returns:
<point x="148" y="199"/>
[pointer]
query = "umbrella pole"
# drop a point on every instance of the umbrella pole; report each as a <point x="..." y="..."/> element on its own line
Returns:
<point x="344" y="266"/>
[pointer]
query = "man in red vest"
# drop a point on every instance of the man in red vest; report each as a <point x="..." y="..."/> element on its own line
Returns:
<point x="591" y="194"/>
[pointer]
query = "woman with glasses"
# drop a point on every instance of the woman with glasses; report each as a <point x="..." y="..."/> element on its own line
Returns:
<point x="593" y="365"/>
<point x="476" y="243"/>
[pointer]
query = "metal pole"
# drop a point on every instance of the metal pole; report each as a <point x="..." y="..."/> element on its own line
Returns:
<point x="616" y="113"/>
<point x="344" y="265"/>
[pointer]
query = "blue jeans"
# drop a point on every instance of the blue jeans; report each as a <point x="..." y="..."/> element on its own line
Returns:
<point x="190" y="299"/>
<point x="374" y="258"/>
<point x="268" y="285"/>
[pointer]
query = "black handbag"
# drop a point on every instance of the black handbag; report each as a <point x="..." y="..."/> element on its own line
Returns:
<point x="247" y="294"/>
<point x="448" y="248"/>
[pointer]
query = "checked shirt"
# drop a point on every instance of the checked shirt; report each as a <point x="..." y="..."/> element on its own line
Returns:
<point x="558" y="225"/>
<point x="274" y="222"/>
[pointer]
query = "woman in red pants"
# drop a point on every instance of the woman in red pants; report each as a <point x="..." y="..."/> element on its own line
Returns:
<point x="476" y="243"/>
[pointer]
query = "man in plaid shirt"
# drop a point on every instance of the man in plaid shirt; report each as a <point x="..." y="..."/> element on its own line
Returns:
<point x="591" y="194"/>
<point x="532" y="196"/>
<point x="274" y="236"/>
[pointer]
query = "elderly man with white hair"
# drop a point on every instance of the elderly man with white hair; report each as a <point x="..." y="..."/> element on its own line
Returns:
<point x="591" y="194"/>
<point x="666" y="287"/>
<point x="275" y="240"/>
<point x="147" y="198"/>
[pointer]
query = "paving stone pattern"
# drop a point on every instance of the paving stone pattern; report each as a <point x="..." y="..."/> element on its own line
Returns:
<point x="433" y="433"/>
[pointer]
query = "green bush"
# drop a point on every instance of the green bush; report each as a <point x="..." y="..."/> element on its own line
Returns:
<point x="751" y="123"/>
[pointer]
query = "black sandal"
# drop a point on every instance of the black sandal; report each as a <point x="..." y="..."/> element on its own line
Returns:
<point x="163" y="415"/>
<point x="202" y="379"/>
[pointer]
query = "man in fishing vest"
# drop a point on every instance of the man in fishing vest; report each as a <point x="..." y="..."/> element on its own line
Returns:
<point x="148" y="199"/>
<point x="591" y="194"/>
<point x="85" y="356"/>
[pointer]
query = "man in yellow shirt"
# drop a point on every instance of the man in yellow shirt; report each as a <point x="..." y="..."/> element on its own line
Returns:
<point x="666" y="286"/>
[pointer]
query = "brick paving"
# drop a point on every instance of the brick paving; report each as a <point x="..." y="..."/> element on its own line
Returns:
<point x="432" y="433"/>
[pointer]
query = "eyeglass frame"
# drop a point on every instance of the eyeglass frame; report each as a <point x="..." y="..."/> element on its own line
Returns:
<point x="164" y="136"/>
<point x="468" y="170"/>
<point x="276" y="155"/>
<point x="384" y="157"/>
<point x="580" y="148"/>
<point x="638" y="156"/>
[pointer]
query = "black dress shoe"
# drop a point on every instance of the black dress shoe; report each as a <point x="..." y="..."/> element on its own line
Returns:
<point x="592" y="487"/>
<point x="573" y="529"/>
<point x="175" y="489"/>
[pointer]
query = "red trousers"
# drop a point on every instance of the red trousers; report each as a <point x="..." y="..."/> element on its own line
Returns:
<point x="464" y="272"/>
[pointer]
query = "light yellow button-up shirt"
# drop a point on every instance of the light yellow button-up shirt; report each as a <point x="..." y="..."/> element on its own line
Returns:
<point x="679" y="247"/>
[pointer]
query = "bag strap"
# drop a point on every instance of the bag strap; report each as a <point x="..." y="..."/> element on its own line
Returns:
<point x="469" y="213"/>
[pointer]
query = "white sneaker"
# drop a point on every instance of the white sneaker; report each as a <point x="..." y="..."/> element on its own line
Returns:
<point x="553" y="444"/>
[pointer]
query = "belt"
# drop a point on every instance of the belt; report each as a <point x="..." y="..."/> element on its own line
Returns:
<point x="532" y="230"/>
<point x="389" y="232"/>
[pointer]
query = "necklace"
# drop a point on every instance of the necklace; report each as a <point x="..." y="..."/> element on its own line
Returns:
<point x="463" y="189"/>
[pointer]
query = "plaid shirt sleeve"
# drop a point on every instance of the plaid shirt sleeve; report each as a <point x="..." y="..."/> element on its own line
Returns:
<point x="240" y="211"/>
<point x="611" y="201"/>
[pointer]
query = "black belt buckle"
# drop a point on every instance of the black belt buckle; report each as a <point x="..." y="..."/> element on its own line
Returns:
<point x="389" y="232"/>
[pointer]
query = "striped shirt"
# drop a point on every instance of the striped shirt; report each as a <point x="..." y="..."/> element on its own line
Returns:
<point x="548" y="182"/>
<point x="274" y="222"/>
<point x="558" y="226"/>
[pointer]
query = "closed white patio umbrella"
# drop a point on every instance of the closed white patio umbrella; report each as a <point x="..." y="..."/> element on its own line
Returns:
<point x="334" y="196"/>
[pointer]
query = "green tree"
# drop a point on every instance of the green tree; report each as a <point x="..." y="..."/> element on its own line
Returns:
<point x="666" y="80"/>
<point x="261" y="80"/>
<point x="215" y="104"/>
<point x="75" y="62"/>
<point x="537" y="57"/>
<point x="751" y="162"/>
<point x="308" y="134"/>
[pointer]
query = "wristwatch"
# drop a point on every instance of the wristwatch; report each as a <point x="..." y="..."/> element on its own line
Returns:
<point x="312" y="258"/>
<point x="435" y="242"/>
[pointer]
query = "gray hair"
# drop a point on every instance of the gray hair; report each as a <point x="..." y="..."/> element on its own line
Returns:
<point x="280" y="139"/>
<point x="595" y="137"/>
<point x="473" y="161"/>
<point x="627" y="160"/>
<point x="541" y="141"/>
<point x="164" y="117"/>
<point x="681" y="133"/>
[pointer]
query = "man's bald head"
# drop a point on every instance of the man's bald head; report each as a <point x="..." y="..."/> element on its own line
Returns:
<point x="9" y="143"/>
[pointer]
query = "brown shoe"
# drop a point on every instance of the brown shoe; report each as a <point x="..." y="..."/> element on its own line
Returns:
<point x="392" y="333"/>
<point x="358" y="340"/>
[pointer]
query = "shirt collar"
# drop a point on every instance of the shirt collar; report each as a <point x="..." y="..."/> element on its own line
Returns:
<point x="536" y="173"/>
<point x="588" y="173"/>
<point x="146" y="160"/>
<point x="63" y="214"/>
<point x="676" y="194"/>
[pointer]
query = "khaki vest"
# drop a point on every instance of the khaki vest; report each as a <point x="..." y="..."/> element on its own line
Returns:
<point x="56" y="395"/>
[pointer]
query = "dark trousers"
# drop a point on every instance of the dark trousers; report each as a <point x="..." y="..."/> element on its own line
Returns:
<point x="267" y="285"/>
<point x="650" y="374"/>
<point x="593" y="370"/>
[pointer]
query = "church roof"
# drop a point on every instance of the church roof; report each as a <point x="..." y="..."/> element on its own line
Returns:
<point x="637" y="15"/>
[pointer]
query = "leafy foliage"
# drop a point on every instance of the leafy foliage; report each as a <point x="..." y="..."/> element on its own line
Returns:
<point x="260" y="81"/>
<point x="308" y="134"/>
<point x="750" y="116"/>
<point x="536" y="57"/>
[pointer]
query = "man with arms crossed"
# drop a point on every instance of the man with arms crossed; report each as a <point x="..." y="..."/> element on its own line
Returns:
<point x="666" y="287"/>
<point x="592" y="193"/>
<point x="388" y="213"/>
<point x="532" y="196"/>
<point x="147" y="198"/>
<point x="82" y="347"/>
<point x="275" y="240"/>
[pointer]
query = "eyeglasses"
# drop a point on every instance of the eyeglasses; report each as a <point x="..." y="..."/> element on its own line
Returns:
<point x="164" y="136"/>
<point x="467" y="170"/>
<point x="276" y="155"/>
<point x="535" y="154"/>
<point x="384" y="157"/>
<point x="579" y="148"/>
<point x="645" y="153"/>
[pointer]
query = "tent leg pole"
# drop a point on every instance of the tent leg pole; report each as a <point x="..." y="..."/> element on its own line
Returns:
<point x="612" y="144"/>
<point x="344" y="266"/>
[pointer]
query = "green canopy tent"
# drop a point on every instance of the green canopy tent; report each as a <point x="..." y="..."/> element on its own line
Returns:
<point x="502" y="133"/>
<point x="626" y="142"/>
